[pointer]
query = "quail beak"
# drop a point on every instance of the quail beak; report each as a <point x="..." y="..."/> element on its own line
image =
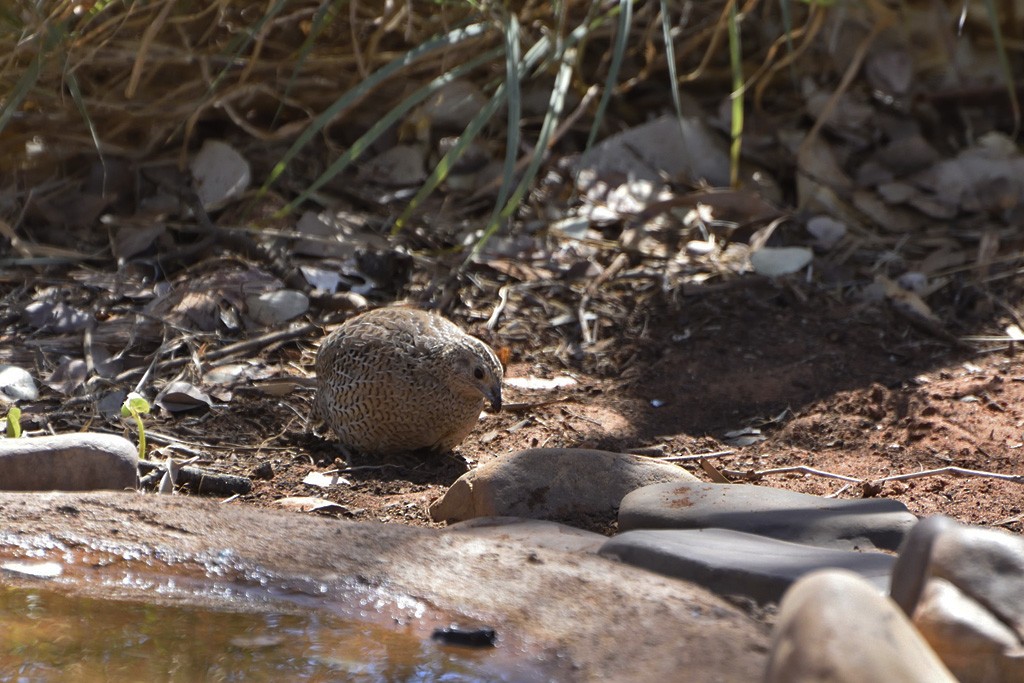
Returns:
<point x="494" y="396"/>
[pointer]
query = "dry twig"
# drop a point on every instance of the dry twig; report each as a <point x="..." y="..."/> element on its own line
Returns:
<point x="872" y="482"/>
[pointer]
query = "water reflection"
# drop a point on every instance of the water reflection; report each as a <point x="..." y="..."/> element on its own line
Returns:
<point x="49" y="635"/>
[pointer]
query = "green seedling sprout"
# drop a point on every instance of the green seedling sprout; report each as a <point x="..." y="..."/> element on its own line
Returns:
<point x="13" y="422"/>
<point x="136" y="406"/>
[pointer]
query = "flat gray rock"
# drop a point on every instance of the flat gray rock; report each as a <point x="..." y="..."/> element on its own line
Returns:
<point x="834" y="626"/>
<point x="677" y="147"/>
<point x="734" y="563"/>
<point x="578" y="486"/>
<point x="68" y="462"/>
<point x="867" y="523"/>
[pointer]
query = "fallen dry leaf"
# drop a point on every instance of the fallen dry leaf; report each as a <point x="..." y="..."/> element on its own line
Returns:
<point x="325" y="479"/>
<point x="310" y="504"/>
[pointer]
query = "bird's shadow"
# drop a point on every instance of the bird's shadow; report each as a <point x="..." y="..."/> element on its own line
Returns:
<point x="419" y="467"/>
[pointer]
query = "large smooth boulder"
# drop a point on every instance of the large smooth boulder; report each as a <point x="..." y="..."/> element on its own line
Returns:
<point x="577" y="486"/>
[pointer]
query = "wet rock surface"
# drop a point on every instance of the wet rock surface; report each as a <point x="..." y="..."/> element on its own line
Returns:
<point x="865" y="523"/>
<point x="530" y="532"/>
<point x="68" y="462"/>
<point x="589" y="618"/>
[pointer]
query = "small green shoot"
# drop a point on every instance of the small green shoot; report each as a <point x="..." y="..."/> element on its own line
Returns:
<point x="136" y="406"/>
<point x="13" y="422"/>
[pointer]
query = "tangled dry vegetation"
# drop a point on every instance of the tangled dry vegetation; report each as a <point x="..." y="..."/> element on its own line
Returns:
<point x="519" y="172"/>
<point x="109" y="102"/>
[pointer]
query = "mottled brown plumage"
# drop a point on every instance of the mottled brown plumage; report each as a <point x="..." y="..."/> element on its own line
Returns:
<point x="397" y="379"/>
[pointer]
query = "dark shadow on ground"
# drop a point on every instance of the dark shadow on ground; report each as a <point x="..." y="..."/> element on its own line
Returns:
<point x="718" y="362"/>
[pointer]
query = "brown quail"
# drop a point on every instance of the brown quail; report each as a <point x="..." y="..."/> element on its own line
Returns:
<point x="397" y="379"/>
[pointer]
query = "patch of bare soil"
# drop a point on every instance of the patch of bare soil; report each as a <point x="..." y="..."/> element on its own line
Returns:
<point x="849" y="390"/>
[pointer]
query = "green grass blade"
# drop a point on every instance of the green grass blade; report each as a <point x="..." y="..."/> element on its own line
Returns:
<point x="555" y="106"/>
<point x="787" y="23"/>
<point x="516" y="67"/>
<point x="53" y="37"/>
<point x="673" y="74"/>
<point x="513" y="72"/>
<point x="21" y="89"/>
<point x="76" y="97"/>
<point x="565" y="52"/>
<point x="736" y="64"/>
<point x="367" y="85"/>
<point x="14" y="422"/>
<point x="242" y="41"/>
<point x="1004" y="64"/>
<point x="442" y="168"/>
<point x="322" y="18"/>
<point x="388" y="120"/>
<point x="618" y="53"/>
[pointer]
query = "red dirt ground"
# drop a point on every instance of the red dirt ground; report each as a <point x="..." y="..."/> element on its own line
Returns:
<point x="848" y="389"/>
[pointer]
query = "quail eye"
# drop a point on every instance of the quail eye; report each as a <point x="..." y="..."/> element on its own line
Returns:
<point x="478" y="373"/>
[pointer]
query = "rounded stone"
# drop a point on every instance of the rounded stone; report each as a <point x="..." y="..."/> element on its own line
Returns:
<point x="577" y="486"/>
<point x="68" y="462"/>
<point x="963" y="587"/>
<point x="834" y="626"/>
<point x="279" y="306"/>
